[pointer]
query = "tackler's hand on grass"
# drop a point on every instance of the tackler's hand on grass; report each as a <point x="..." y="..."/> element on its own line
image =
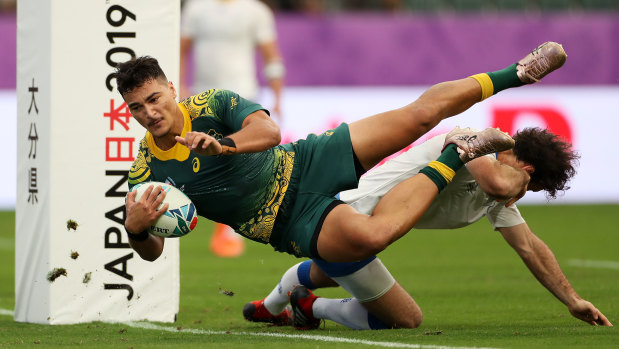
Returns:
<point x="587" y="312"/>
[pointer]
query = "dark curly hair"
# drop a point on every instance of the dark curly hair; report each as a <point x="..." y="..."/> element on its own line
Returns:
<point x="135" y="72"/>
<point x="553" y="158"/>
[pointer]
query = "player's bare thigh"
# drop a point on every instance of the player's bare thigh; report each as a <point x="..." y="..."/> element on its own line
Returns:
<point x="375" y="137"/>
<point x="342" y="236"/>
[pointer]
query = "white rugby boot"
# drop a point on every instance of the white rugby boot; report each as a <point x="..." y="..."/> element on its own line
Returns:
<point x="473" y="144"/>
<point x="543" y="60"/>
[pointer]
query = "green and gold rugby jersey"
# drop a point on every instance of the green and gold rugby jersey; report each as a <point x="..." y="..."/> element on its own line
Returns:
<point x="243" y="191"/>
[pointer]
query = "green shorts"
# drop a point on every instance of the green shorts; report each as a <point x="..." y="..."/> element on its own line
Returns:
<point x="323" y="166"/>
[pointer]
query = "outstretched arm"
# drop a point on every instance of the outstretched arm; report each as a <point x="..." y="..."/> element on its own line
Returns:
<point x="541" y="261"/>
<point x="258" y="133"/>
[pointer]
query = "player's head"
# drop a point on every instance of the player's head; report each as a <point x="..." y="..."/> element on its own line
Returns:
<point x="150" y="97"/>
<point x="134" y="73"/>
<point x="552" y="158"/>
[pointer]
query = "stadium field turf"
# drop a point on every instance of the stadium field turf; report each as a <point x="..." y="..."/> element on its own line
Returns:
<point x="473" y="288"/>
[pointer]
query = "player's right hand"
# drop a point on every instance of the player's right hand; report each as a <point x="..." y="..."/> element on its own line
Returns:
<point x="141" y="214"/>
<point x="200" y="143"/>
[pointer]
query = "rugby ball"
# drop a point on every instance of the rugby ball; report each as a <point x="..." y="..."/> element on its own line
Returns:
<point x="180" y="218"/>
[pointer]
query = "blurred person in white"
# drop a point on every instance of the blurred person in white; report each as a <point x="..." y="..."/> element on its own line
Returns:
<point x="223" y="36"/>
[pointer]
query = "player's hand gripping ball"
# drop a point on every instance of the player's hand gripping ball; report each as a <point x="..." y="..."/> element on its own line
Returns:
<point x="181" y="216"/>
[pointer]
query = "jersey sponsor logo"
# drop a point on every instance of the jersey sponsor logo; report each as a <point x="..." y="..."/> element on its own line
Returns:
<point x="213" y="133"/>
<point x="195" y="164"/>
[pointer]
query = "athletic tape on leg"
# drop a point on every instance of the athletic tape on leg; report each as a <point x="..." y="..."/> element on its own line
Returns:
<point x="368" y="283"/>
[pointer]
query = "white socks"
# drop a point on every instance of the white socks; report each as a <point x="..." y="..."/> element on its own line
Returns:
<point x="277" y="300"/>
<point x="348" y="312"/>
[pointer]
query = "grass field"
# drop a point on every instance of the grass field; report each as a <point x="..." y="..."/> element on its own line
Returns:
<point x="474" y="290"/>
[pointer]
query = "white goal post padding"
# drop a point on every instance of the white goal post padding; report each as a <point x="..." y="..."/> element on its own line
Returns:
<point x="76" y="142"/>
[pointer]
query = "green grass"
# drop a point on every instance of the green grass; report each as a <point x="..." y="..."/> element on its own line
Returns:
<point x="473" y="288"/>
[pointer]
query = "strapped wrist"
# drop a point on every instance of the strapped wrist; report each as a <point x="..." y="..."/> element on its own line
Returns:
<point x="274" y="70"/>
<point x="227" y="146"/>
<point x="141" y="236"/>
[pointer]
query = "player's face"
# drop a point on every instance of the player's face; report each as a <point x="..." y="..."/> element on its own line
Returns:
<point x="153" y="105"/>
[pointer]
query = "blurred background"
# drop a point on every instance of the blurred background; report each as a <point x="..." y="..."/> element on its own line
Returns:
<point x="347" y="59"/>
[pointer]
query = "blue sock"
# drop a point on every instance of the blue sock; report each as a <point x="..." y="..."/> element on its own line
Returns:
<point x="303" y="272"/>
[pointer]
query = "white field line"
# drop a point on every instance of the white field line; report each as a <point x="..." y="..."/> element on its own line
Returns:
<point x="147" y="325"/>
<point x="151" y="326"/>
<point x="586" y="263"/>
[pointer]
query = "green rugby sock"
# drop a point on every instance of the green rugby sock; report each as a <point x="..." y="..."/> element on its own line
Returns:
<point x="497" y="81"/>
<point x="505" y="78"/>
<point x="442" y="170"/>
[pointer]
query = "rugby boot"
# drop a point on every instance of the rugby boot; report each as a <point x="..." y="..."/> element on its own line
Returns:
<point x="301" y="300"/>
<point x="256" y="312"/>
<point x="473" y="144"/>
<point x="545" y="59"/>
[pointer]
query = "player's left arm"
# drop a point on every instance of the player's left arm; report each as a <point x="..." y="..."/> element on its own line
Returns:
<point x="258" y="133"/>
<point x="542" y="263"/>
<point x="274" y="71"/>
<point x="264" y="34"/>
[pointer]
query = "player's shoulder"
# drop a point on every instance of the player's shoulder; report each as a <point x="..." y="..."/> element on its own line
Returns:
<point x="201" y="104"/>
<point x="260" y="13"/>
<point x="143" y="142"/>
<point x="140" y="169"/>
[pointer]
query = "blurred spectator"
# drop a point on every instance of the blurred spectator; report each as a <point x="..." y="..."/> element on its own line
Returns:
<point x="223" y="36"/>
<point x="8" y="6"/>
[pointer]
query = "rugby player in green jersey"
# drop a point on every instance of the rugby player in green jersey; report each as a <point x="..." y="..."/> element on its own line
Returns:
<point x="222" y="151"/>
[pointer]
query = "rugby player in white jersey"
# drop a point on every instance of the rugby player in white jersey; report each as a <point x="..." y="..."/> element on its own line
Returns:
<point x="485" y="187"/>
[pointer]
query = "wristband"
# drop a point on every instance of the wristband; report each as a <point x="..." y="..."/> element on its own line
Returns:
<point x="143" y="235"/>
<point x="274" y="70"/>
<point x="227" y="146"/>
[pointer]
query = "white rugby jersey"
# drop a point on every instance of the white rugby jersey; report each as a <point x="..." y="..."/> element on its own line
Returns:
<point x="461" y="203"/>
<point x="225" y="36"/>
